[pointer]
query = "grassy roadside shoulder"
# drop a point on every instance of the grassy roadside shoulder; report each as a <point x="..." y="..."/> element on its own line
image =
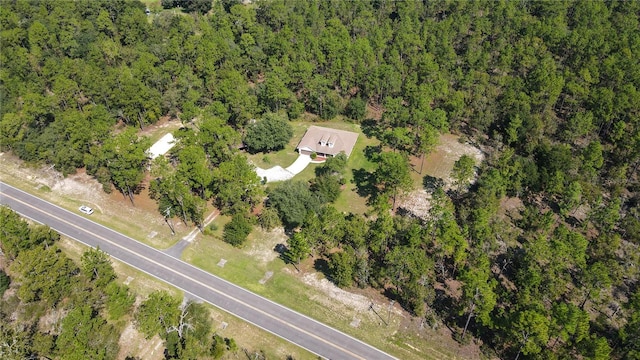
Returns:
<point x="309" y="293"/>
<point x="306" y="292"/>
<point x="246" y="336"/>
<point x="110" y="210"/>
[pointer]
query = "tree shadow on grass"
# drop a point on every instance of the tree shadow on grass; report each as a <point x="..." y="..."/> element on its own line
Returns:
<point x="322" y="265"/>
<point x="371" y="152"/>
<point x="364" y="181"/>
<point x="282" y="249"/>
<point x="369" y="128"/>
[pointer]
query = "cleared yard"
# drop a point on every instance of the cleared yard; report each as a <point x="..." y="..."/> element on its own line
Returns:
<point x="258" y="266"/>
<point x="349" y="200"/>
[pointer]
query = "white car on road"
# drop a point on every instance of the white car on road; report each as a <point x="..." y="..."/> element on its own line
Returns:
<point x="85" y="209"/>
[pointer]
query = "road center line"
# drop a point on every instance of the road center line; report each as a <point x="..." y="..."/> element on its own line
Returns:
<point x="184" y="276"/>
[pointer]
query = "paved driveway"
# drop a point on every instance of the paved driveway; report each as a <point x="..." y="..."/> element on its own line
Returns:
<point x="278" y="173"/>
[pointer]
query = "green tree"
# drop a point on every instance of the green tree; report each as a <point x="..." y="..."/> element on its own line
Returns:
<point x="630" y="333"/>
<point x="334" y="165"/>
<point x="569" y="323"/>
<point x="531" y="328"/>
<point x="341" y="267"/>
<point x="321" y="99"/>
<point x="194" y="168"/>
<point x="270" y="133"/>
<point x="294" y="200"/>
<point x="236" y="186"/>
<point x="380" y="234"/>
<point x="119" y="300"/>
<point x="96" y="266"/>
<point x="237" y="230"/>
<point x="594" y="279"/>
<point x="45" y="274"/>
<point x="478" y="291"/>
<point x="449" y="245"/>
<point x="328" y="187"/>
<point x="398" y="138"/>
<point x="410" y="271"/>
<point x="217" y="138"/>
<point x="5" y="281"/>
<point x="462" y="171"/>
<point x="356" y="109"/>
<point x="298" y="248"/>
<point x="136" y="102"/>
<point x="124" y="158"/>
<point x="200" y="6"/>
<point x="218" y="347"/>
<point x="269" y="218"/>
<point x="15" y="233"/>
<point x="426" y="138"/>
<point x="13" y="343"/>
<point x="571" y="199"/>
<point x="592" y="159"/>
<point x="600" y="348"/>
<point x="606" y="216"/>
<point x="85" y="334"/>
<point x="273" y="92"/>
<point x="156" y="314"/>
<point x="189" y="337"/>
<point x="392" y="175"/>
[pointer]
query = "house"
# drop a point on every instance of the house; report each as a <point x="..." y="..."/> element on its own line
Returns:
<point x="327" y="142"/>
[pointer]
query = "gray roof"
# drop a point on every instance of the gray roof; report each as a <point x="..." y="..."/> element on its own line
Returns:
<point x="328" y="141"/>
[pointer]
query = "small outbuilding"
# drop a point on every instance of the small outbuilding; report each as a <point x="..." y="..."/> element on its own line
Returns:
<point x="327" y="142"/>
<point x="161" y="146"/>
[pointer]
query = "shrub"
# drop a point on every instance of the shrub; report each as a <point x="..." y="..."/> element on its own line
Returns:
<point x="237" y="230"/>
<point x="269" y="219"/>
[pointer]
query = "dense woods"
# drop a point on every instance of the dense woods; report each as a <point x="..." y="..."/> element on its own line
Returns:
<point x="549" y="90"/>
<point x="64" y="310"/>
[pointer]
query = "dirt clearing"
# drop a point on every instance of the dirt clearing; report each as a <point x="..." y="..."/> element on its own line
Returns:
<point x="435" y="171"/>
<point x="439" y="162"/>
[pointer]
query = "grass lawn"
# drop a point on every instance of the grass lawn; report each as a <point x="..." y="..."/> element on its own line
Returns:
<point x="284" y="157"/>
<point x="258" y="268"/>
<point x="153" y="5"/>
<point x="349" y="200"/>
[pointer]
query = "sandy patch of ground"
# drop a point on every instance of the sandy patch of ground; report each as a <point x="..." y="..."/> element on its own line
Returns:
<point x="79" y="186"/>
<point x="356" y="302"/>
<point x="276" y="173"/>
<point x="81" y="189"/>
<point x="164" y="125"/>
<point x="440" y="161"/>
<point x="438" y="165"/>
<point x="511" y="207"/>
<point x="50" y="322"/>
<point x="133" y="343"/>
<point x="263" y="248"/>
<point x="417" y="202"/>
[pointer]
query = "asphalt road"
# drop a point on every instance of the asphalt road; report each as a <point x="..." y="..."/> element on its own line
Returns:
<point x="299" y="329"/>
